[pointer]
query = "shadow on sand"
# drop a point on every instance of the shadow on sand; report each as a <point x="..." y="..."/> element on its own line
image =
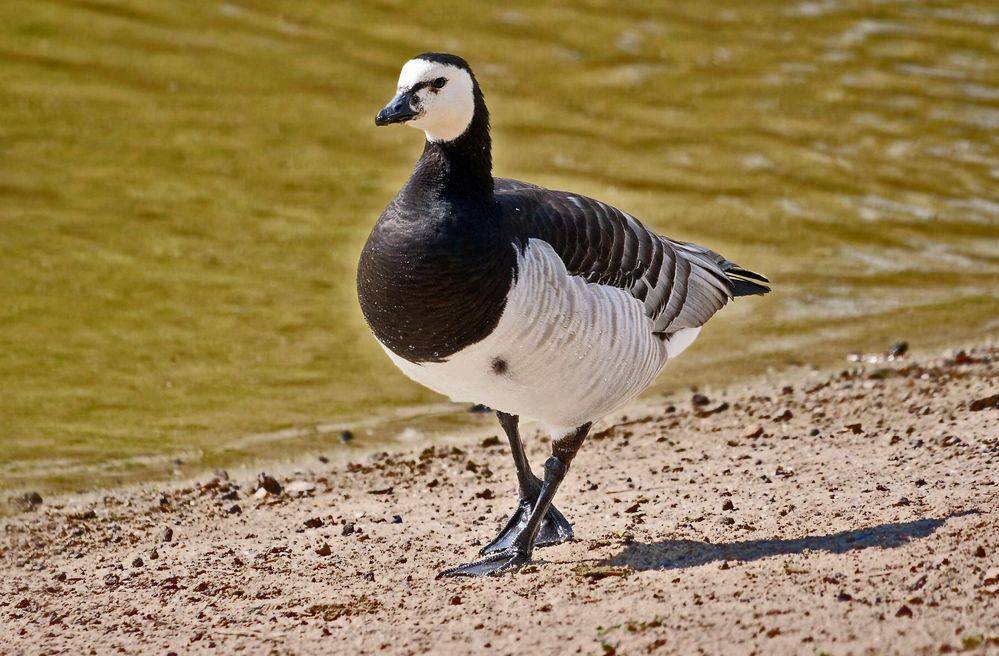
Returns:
<point x="678" y="554"/>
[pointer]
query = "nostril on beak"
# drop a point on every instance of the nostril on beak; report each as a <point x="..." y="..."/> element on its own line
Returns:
<point x="398" y="110"/>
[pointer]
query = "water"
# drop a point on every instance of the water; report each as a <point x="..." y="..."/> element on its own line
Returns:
<point x="185" y="187"/>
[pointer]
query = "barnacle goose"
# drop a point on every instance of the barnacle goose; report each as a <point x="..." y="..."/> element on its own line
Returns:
<point x="540" y="303"/>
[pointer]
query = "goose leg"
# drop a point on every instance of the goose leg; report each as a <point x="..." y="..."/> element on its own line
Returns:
<point x="555" y="528"/>
<point x="522" y="546"/>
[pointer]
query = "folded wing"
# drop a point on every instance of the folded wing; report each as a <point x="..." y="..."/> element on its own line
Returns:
<point x="680" y="285"/>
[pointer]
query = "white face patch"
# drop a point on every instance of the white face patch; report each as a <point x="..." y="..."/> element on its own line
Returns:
<point x="444" y="113"/>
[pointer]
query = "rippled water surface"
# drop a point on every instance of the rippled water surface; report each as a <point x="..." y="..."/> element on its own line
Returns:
<point x="184" y="189"/>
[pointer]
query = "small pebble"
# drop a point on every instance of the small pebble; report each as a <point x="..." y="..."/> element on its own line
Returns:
<point x="268" y="483"/>
<point x="324" y="550"/>
<point x="698" y="400"/>
<point x="300" y="488"/>
<point x="166" y="535"/>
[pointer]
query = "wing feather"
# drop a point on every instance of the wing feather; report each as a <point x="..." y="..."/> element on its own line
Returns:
<point x="680" y="285"/>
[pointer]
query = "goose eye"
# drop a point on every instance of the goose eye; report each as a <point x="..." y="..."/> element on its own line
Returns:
<point x="439" y="83"/>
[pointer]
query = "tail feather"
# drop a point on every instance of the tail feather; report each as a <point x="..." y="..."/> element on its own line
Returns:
<point x="745" y="282"/>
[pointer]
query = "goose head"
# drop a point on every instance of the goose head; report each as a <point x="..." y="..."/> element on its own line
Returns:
<point x="436" y="93"/>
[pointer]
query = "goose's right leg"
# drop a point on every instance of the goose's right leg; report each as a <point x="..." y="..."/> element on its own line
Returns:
<point x="555" y="528"/>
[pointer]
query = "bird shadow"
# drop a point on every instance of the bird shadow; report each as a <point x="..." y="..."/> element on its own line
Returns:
<point x="680" y="554"/>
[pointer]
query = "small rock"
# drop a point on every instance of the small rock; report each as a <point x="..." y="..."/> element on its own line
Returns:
<point x="346" y="436"/>
<point x="261" y="493"/>
<point x="784" y="415"/>
<point x="166" y="535"/>
<point x="153" y="554"/>
<point x="268" y="483"/>
<point x="456" y="600"/>
<point x="137" y="562"/>
<point x="111" y="580"/>
<point x="814" y="432"/>
<point x="348" y="528"/>
<point x="396" y="519"/>
<point x="234" y="509"/>
<point x="324" y="550"/>
<point x="702" y="412"/>
<point x="728" y="505"/>
<point x="492" y="440"/>
<point x="313" y="522"/>
<point x="699" y="400"/>
<point x="897" y="350"/>
<point x="980" y="552"/>
<point x="300" y="488"/>
<point x="844" y="596"/>
<point x="479" y="408"/>
<point x="753" y="431"/>
<point x="989" y="402"/>
<point x="324" y="460"/>
<point x="856" y="429"/>
<point x="727" y="521"/>
<point x="904" y="611"/>
<point x="163" y="501"/>
<point x="27" y="501"/>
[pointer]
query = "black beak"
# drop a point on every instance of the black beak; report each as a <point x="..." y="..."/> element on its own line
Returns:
<point x="399" y="110"/>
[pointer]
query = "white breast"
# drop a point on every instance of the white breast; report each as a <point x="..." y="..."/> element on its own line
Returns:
<point x="565" y="351"/>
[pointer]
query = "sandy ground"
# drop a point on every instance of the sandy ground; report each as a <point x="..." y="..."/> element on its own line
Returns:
<point x="809" y="513"/>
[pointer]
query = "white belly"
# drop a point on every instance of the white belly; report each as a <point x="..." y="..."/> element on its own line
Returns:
<point x="565" y="351"/>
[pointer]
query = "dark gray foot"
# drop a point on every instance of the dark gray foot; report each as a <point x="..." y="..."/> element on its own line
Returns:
<point x="555" y="528"/>
<point x="504" y="561"/>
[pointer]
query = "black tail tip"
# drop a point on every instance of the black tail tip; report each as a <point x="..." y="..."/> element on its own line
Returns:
<point x="747" y="283"/>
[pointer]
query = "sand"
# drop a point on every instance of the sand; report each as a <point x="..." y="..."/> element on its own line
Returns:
<point x="847" y="512"/>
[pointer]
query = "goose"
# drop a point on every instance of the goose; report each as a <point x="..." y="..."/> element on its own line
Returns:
<point x="536" y="303"/>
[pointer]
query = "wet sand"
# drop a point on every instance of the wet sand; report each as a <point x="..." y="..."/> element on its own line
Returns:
<point x="844" y="513"/>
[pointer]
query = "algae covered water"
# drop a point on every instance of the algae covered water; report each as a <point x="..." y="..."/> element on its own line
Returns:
<point x="185" y="188"/>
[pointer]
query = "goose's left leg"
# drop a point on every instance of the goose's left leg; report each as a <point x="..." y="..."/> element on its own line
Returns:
<point x="519" y="552"/>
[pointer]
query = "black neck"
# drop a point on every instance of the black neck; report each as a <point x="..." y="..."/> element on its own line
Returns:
<point x="462" y="168"/>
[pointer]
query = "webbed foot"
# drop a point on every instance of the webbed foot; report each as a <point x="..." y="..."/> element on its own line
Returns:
<point x="497" y="563"/>
<point x="554" y="529"/>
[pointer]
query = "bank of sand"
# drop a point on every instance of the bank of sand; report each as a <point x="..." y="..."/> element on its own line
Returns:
<point x="801" y="514"/>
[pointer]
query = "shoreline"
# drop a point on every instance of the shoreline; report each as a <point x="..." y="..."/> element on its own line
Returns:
<point x="798" y="511"/>
<point x="390" y="428"/>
